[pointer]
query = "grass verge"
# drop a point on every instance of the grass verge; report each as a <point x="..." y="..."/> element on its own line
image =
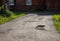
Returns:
<point x="57" y="21"/>
<point x="13" y="16"/>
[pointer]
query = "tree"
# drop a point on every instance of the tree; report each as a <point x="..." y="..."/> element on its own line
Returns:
<point x="4" y="8"/>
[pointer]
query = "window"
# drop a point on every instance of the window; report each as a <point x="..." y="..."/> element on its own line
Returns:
<point x="28" y="2"/>
<point x="11" y="2"/>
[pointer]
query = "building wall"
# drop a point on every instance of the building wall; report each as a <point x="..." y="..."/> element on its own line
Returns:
<point x="21" y="4"/>
<point x="0" y="2"/>
<point x="38" y="4"/>
<point x="53" y="4"/>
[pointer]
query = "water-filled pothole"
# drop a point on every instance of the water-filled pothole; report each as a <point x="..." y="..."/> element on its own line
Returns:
<point x="40" y="27"/>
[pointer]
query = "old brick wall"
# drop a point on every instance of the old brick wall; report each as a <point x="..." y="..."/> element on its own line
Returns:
<point x="38" y="4"/>
<point x="21" y="4"/>
<point x="0" y="2"/>
<point x="53" y="4"/>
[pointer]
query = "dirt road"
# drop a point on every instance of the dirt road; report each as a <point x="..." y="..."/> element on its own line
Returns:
<point x="27" y="29"/>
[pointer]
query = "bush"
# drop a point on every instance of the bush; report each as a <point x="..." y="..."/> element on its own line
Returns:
<point x="57" y="21"/>
<point x="14" y="15"/>
<point x="5" y="11"/>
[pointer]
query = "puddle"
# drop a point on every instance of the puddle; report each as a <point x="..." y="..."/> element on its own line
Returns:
<point x="40" y="27"/>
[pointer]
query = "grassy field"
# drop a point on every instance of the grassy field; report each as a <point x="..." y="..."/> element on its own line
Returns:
<point x="57" y="21"/>
<point x="13" y="16"/>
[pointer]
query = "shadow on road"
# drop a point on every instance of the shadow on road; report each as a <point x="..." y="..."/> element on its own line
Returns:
<point x="41" y="12"/>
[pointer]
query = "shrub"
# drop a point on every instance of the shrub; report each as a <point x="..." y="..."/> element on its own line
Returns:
<point x="5" y="11"/>
<point x="57" y="21"/>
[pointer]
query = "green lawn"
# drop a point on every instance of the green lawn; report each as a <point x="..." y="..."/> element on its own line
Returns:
<point x="13" y="16"/>
<point x="57" y="21"/>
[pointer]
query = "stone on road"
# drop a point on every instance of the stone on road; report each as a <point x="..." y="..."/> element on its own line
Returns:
<point x="32" y="27"/>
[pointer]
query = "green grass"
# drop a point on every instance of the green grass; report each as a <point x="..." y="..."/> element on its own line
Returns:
<point x="57" y="21"/>
<point x="13" y="16"/>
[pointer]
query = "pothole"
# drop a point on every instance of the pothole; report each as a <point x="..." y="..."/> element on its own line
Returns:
<point x="40" y="27"/>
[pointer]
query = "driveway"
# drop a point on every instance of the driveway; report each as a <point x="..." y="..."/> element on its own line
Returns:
<point x="32" y="27"/>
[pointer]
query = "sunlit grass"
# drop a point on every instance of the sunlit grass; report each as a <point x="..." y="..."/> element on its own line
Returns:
<point x="57" y="21"/>
<point x="13" y="16"/>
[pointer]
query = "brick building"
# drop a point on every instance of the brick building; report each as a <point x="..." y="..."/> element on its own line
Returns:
<point x="35" y="4"/>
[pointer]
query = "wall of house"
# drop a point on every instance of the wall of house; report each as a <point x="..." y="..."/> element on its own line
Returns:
<point x="0" y="2"/>
<point x="38" y="4"/>
<point x="53" y="4"/>
<point x="21" y="4"/>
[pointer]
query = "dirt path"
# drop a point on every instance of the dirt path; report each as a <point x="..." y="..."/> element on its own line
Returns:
<point x="26" y="29"/>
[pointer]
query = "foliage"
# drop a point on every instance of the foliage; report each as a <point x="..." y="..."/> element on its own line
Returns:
<point x="5" y="11"/>
<point x="14" y="15"/>
<point x="57" y="21"/>
<point x="5" y="14"/>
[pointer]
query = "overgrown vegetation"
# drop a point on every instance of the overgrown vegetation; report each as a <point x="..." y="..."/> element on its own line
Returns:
<point x="57" y="21"/>
<point x="7" y="15"/>
<point x="4" y="10"/>
<point x="14" y="15"/>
